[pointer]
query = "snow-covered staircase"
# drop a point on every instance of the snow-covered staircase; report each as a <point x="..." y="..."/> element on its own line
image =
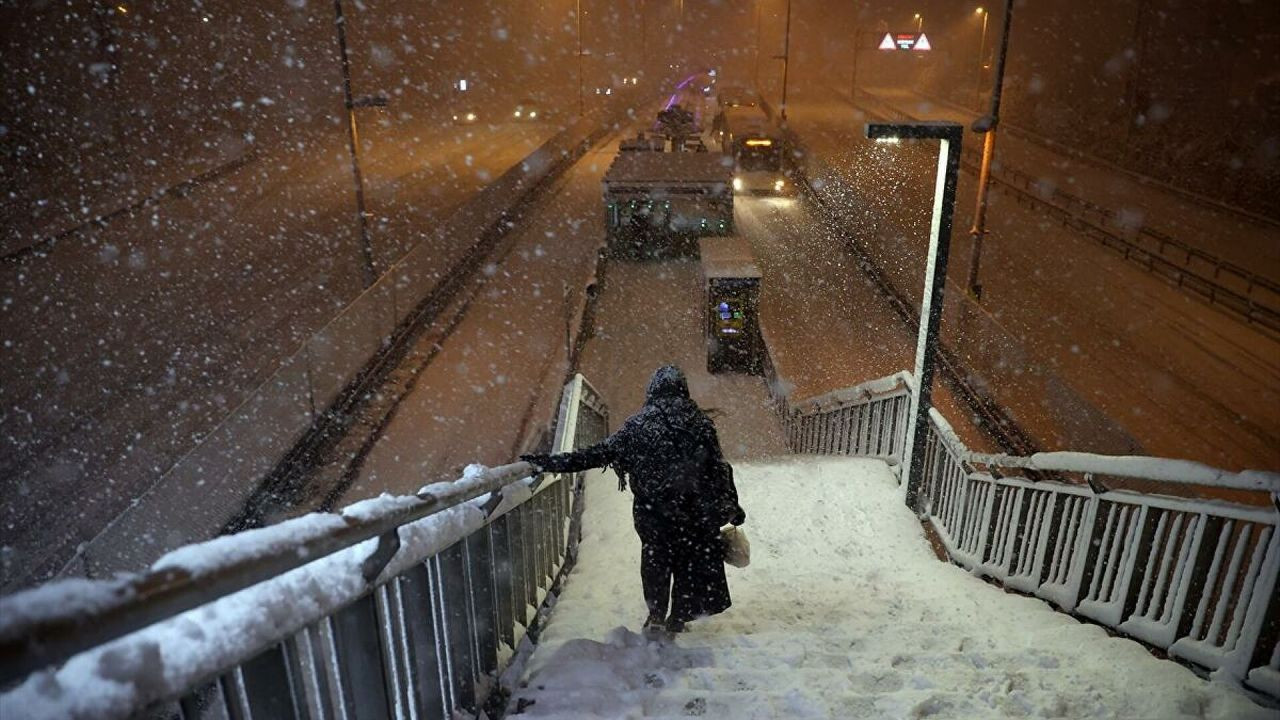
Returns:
<point x="845" y="612"/>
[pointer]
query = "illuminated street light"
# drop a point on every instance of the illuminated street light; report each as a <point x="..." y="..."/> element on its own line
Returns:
<point x="919" y="22"/>
<point x="786" y="62"/>
<point x="982" y="47"/>
<point x="987" y="124"/>
<point x="935" y="276"/>
<point x="577" y="14"/>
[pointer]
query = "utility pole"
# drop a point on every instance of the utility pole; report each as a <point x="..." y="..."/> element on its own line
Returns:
<point x="577" y="14"/>
<point x="353" y="138"/>
<point x="853" y="79"/>
<point x="757" y="69"/>
<point x="987" y="124"/>
<point x="644" y="33"/>
<point x="786" y="61"/>
<point x="982" y="51"/>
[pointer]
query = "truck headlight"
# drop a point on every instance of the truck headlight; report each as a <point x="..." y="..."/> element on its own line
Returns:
<point x="778" y="185"/>
<point x="737" y="184"/>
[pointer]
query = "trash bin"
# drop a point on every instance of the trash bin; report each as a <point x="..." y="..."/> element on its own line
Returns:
<point x="731" y="299"/>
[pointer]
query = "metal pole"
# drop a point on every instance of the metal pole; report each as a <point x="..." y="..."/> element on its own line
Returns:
<point x="928" y="337"/>
<point x="853" y="79"/>
<point x="644" y="38"/>
<point x="786" y="61"/>
<point x="758" y="44"/>
<point x="353" y="138"/>
<point x="982" y="47"/>
<point x="577" y="13"/>
<point x="990" y="122"/>
<point x="935" y="281"/>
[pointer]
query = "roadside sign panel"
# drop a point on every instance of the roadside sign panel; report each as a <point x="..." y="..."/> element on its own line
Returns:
<point x="905" y="41"/>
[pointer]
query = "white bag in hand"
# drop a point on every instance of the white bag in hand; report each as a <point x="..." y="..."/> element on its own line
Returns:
<point x="737" y="549"/>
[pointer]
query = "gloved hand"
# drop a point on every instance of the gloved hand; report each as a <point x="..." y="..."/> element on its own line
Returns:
<point x="739" y="517"/>
<point x="537" y="460"/>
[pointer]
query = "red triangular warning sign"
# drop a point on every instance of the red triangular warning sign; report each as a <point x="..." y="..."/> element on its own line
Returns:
<point x="887" y="43"/>
<point x="922" y="43"/>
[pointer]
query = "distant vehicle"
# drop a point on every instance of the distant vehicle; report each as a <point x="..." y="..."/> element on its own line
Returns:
<point x="528" y="111"/>
<point x="466" y="117"/>
<point x="731" y="96"/>
<point x="658" y="202"/>
<point x="604" y="90"/>
<point x="754" y="143"/>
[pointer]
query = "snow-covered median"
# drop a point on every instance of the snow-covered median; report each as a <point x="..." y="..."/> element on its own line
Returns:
<point x="844" y="612"/>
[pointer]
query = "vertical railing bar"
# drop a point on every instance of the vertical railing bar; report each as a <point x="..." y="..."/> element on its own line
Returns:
<point x="1066" y="540"/>
<point x="1224" y="537"/>
<point x="240" y="694"/>
<point x="1148" y="579"/>
<point x="1246" y="588"/>
<point x="1113" y="551"/>
<point x="404" y="647"/>
<point x="1172" y="549"/>
<point x="304" y="656"/>
<point x="390" y="657"/>
<point x="333" y="668"/>
<point x="1228" y="586"/>
<point x="444" y="654"/>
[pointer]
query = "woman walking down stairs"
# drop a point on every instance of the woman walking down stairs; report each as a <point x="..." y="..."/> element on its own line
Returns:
<point x="844" y="612"/>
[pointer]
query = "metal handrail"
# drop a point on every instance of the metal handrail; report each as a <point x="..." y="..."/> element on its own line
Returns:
<point x="1158" y="469"/>
<point x="33" y="643"/>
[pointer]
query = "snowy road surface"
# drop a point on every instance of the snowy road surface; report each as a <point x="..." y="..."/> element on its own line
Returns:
<point x="829" y="326"/>
<point x="129" y="342"/>
<point x="1240" y="238"/>
<point x="1086" y="350"/>
<point x="844" y="612"/>
<point x="651" y="314"/>
<point x="497" y="376"/>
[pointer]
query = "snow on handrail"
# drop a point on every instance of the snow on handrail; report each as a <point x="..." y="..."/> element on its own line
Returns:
<point x="1135" y="466"/>
<point x="864" y="391"/>
<point x="1184" y="472"/>
<point x="38" y="627"/>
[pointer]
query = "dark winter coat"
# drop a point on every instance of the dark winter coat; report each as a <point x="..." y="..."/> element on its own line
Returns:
<point x="670" y="455"/>
<point x="684" y="493"/>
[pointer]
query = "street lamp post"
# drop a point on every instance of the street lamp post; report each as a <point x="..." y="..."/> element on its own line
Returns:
<point x="786" y="61"/>
<point x="353" y="140"/>
<point x="987" y="124"/>
<point x="919" y="23"/>
<point x="853" y="73"/>
<point x="982" y="48"/>
<point x="935" y="275"/>
<point x="577" y="15"/>
<point x="757" y="68"/>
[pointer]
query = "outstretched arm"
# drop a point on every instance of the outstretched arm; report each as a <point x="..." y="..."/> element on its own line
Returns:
<point x="598" y="455"/>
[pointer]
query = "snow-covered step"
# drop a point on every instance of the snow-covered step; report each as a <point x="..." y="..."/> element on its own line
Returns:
<point x="844" y="612"/>
<point x="804" y="703"/>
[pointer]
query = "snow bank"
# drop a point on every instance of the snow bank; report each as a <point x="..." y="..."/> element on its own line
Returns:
<point x="844" y="612"/>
